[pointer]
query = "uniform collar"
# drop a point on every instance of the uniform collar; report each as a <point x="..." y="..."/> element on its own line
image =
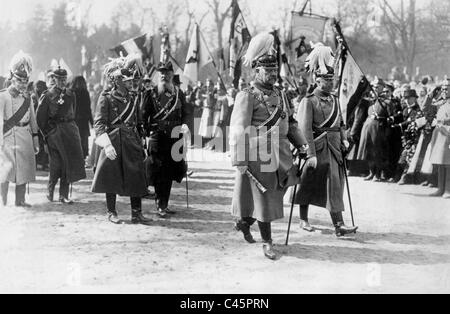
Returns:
<point x="321" y="94"/>
<point x="266" y="89"/>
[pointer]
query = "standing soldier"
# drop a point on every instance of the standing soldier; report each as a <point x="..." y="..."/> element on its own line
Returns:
<point x="18" y="132"/>
<point x="319" y="118"/>
<point x="164" y="110"/>
<point x="56" y="120"/>
<point x="262" y="119"/>
<point x="121" y="162"/>
<point x="440" y="149"/>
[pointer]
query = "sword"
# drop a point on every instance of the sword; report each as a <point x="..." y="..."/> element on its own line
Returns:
<point x="258" y="184"/>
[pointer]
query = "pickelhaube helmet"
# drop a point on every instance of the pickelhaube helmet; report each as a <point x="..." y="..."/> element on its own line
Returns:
<point x="60" y="72"/>
<point x="165" y="67"/>
<point x="21" y="66"/>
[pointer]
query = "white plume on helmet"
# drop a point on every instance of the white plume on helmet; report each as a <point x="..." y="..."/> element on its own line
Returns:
<point x="320" y="58"/>
<point x="260" y="45"/>
<point x="112" y="68"/>
<point x="133" y="63"/>
<point x="21" y="62"/>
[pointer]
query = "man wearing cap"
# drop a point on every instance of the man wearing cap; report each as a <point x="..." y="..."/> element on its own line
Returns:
<point x="18" y="132"/>
<point x="55" y="117"/>
<point x="165" y="115"/>
<point x="120" y="166"/>
<point x="320" y="119"/>
<point x="262" y="130"/>
<point x="411" y="133"/>
<point x="440" y="143"/>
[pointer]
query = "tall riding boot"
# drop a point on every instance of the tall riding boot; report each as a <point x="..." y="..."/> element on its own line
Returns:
<point x="244" y="225"/>
<point x="51" y="189"/>
<point x="266" y="233"/>
<point x="20" y="196"/>
<point x="304" y="220"/>
<point x="441" y="182"/>
<point x="4" y="192"/>
<point x="447" y="183"/>
<point x="136" y="212"/>
<point x="64" y="188"/>
<point x="341" y="228"/>
<point x="111" y="200"/>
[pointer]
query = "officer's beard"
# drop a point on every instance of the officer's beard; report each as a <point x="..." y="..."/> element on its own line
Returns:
<point x="164" y="86"/>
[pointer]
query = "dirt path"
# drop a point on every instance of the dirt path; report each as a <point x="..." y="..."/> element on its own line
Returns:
<point x="403" y="246"/>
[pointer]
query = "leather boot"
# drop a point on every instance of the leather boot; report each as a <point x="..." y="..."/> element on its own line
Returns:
<point x="370" y="177"/>
<point x="269" y="251"/>
<point x="51" y="191"/>
<point x="113" y="217"/>
<point x="341" y="228"/>
<point x="138" y="218"/>
<point x="244" y="227"/>
<point x="441" y="183"/>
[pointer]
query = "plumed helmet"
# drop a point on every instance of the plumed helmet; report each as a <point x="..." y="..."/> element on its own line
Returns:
<point x="21" y="66"/>
<point x="261" y="51"/>
<point x="321" y="61"/>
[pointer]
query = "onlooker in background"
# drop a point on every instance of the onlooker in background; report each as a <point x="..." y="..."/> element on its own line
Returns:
<point x="440" y="150"/>
<point x="83" y="114"/>
<point x="42" y="157"/>
<point x="411" y="134"/>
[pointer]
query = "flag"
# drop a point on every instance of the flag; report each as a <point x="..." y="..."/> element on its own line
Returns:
<point x="239" y="40"/>
<point x="143" y="46"/>
<point x="353" y="84"/>
<point x="197" y="57"/>
<point x="178" y="70"/>
<point x="305" y="29"/>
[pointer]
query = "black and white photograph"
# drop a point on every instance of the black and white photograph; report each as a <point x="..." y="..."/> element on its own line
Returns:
<point x="207" y="149"/>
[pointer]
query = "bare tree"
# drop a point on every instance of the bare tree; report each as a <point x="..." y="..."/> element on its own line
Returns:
<point x="219" y="18"/>
<point x="401" y="31"/>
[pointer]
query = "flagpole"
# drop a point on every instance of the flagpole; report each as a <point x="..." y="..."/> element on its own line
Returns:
<point x="212" y="57"/>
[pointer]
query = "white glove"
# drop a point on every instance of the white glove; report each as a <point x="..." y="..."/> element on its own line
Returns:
<point x="311" y="163"/>
<point x="110" y="152"/>
<point x="242" y="169"/>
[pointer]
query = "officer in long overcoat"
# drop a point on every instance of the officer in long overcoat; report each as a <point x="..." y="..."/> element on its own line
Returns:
<point x="120" y="168"/>
<point x="18" y="132"/>
<point x="56" y="119"/>
<point x="262" y="130"/>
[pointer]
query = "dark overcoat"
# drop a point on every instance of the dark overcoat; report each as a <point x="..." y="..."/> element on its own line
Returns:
<point x="125" y="175"/>
<point x="56" y="119"/>
<point x="161" y="165"/>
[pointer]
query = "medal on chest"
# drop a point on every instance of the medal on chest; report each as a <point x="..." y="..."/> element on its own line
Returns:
<point x="61" y="99"/>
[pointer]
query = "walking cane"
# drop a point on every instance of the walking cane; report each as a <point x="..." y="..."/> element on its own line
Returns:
<point x="348" y="191"/>
<point x="300" y="171"/>
<point x="187" y="186"/>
